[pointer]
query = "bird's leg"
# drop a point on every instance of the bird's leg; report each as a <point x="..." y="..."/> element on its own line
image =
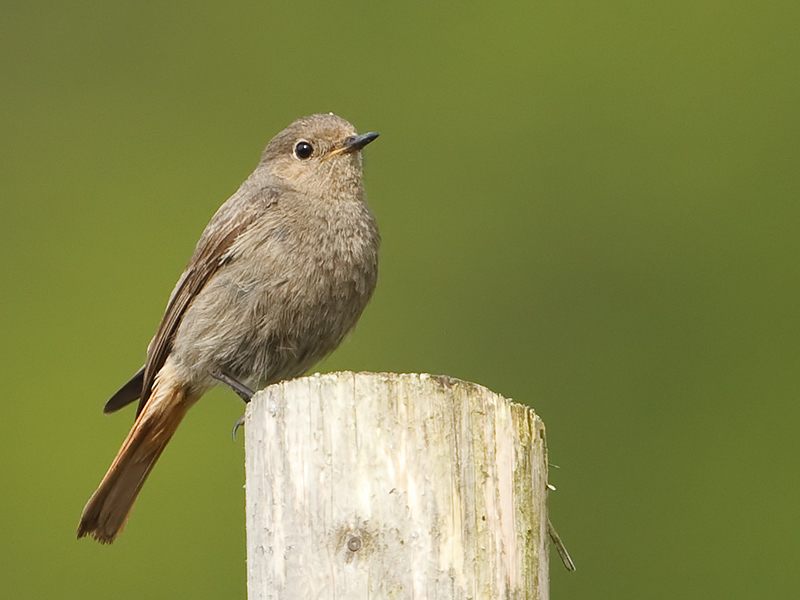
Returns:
<point x="244" y="392"/>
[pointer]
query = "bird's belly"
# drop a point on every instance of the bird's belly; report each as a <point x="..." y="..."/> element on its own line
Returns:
<point x="264" y="329"/>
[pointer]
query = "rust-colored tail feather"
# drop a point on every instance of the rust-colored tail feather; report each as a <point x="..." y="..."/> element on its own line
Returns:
<point x="107" y="510"/>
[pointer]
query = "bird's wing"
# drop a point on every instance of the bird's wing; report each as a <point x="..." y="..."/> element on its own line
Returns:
<point x="126" y="394"/>
<point x="230" y="221"/>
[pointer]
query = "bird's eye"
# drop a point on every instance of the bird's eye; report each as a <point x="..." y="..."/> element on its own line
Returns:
<point x="303" y="150"/>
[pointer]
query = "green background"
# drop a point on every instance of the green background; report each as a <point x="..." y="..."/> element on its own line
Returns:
<point x="589" y="207"/>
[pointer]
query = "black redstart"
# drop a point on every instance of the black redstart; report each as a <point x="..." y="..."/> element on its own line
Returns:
<point x="280" y="275"/>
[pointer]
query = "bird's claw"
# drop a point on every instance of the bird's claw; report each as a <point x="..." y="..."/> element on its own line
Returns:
<point x="239" y="423"/>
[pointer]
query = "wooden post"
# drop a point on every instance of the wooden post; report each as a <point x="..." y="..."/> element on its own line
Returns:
<point x="386" y="486"/>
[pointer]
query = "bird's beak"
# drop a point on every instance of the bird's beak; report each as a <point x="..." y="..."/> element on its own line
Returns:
<point x="354" y="143"/>
<point x="357" y="142"/>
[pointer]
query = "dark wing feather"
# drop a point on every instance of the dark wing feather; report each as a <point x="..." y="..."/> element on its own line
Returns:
<point x="126" y="394"/>
<point x="230" y="221"/>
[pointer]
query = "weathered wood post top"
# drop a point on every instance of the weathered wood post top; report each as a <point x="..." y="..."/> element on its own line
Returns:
<point x="388" y="486"/>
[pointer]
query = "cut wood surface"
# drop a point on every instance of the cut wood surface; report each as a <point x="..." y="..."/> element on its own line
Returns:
<point x="381" y="485"/>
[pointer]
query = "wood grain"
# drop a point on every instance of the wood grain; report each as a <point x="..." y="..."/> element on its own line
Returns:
<point x="394" y="486"/>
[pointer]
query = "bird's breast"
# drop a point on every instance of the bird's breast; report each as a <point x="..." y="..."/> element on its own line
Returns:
<point x="284" y="299"/>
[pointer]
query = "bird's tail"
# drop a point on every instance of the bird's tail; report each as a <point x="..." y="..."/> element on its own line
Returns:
<point x="107" y="510"/>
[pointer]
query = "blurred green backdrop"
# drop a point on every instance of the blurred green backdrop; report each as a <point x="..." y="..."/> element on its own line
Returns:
<point x="589" y="207"/>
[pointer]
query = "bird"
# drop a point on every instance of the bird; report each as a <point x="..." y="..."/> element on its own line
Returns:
<point x="279" y="276"/>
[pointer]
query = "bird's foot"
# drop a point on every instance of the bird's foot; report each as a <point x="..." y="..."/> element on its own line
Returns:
<point x="244" y="392"/>
<point x="238" y="424"/>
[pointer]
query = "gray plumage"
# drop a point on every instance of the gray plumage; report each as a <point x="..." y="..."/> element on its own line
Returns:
<point x="279" y="276"/>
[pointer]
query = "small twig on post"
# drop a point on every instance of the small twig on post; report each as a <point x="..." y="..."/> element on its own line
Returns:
<point x="394" y="486"/>
<point x="569" y="565"/>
